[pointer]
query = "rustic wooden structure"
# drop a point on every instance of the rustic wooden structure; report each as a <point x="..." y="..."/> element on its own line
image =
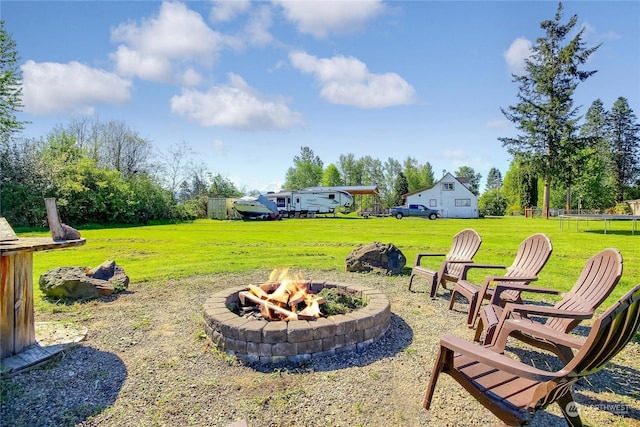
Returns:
<point x="17" y="323"/>
<point x="514" y="391"/>
<point x="599" y="276"/>
<point x="533" y="253"/>
<point x="464" y="247"/>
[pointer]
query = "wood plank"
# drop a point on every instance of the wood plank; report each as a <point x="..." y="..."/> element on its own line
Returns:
<point x="33" y="244"/>
<point x="57" y="232"/>
<point x="6" y="306"/>
<point x="24" y="327"/>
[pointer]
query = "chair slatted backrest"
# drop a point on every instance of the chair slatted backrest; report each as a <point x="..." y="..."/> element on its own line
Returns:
<point x="599" y="276"/>
<point x="610" y="333"/>
<point x="464" y="247"/>
<point x="533" y="254"/>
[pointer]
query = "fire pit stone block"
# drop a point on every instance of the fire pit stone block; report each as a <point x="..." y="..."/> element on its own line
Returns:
<point x="323" y="328"/>
<point x="345" y="323"/>
<point x="353" y="338"/>
<point x="278" y="342"/>
<point x="274" y="332"/>
<point x="299" y="331"/>
<point x="251" y="331"/>
<point x="310" y="347"/>
<point x="332" y="343"/>
<point x="284" y="349"/>
<point x="231" y="328"/>
<point x="236" y="346"/>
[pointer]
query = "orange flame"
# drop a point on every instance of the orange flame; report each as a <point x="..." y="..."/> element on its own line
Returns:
<point x="287" y="289"/>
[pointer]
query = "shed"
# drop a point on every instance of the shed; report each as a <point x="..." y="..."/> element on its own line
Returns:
<point x="635" y="206"/>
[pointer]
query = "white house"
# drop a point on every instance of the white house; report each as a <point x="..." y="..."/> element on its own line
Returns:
<point x="451" y="196"/>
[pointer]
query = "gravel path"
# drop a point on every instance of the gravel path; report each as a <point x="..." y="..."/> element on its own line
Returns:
<point x="147" y="362"/>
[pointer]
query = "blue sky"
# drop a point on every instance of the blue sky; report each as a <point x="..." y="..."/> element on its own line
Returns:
<point x="247" y="84"/>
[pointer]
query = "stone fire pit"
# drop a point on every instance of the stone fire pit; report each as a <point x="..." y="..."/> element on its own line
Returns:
<point x="262" y="341"/>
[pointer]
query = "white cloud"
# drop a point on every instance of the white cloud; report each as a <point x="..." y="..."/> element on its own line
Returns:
<point x="515" y="56"/>
<point x="158" y="46"/>
<point x="320" y="18"/>
<point x="54" y="88"/>
<point x="227" y="10"/>
<point x="347" y="81"/>
<point x="257" y="29"/>
<point x="497" y="123"/>
<point x="591" y="35"/>
<point x="235" y="105"/>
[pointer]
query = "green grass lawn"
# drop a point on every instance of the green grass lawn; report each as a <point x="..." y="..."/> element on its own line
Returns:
<point x="161" y="252"/>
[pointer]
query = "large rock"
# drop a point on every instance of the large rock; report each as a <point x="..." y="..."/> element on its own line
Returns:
<point x="376" y="256"/>
<point x="83" y="283"/>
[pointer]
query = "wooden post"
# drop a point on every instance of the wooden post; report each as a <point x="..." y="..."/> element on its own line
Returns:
<point x="17" y="322"/>
<point x="57" y="232"/>
<point x="6" y="306"/>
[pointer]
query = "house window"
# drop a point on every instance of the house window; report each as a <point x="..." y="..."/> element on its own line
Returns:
<point x="433" y="203"/>
<point x="463" y="203"/>
<point x="447" y="186"/>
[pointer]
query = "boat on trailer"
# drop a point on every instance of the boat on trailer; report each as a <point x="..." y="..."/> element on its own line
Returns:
<point x="258" y="207"/>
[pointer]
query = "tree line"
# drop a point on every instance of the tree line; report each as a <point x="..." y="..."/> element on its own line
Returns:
<point x="560" y="159"/>
<point x="105" y="172"/>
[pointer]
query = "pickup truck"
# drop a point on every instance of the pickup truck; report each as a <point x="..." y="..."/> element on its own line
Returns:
<point x="414" y="210"/>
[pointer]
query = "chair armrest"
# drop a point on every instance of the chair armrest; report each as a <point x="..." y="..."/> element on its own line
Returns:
<point x="486" y="286"/>
<point x="500" y="287"/>
<point x="469" y="266"/>
<point x="539" y="330"/>
<point x="494" y="359"/>
<point x="538" y="310"/>
<point x="419" y="257"/>
<point x="460" y="261"/>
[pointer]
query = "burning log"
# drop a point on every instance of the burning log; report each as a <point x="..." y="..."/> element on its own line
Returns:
<point x="246" y="295"/>
<point x="280" y="300"/>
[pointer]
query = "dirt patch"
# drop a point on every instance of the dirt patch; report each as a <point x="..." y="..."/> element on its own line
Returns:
<point x="147" y="361"/>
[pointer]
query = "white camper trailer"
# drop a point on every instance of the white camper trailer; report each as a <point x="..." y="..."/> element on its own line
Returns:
<point x="316" y="201"/>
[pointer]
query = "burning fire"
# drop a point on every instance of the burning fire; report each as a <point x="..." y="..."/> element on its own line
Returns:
<point x="285" y="296"/>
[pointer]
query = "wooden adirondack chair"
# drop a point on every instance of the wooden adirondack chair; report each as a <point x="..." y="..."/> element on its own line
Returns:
<point x="599" y="276"/>
<point x="465" y="245"/>
<point x="513" y="391"/>
<point x="532" y="255"/>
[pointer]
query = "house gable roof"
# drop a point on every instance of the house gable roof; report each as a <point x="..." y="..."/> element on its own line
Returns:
<point x="461" y="180"/>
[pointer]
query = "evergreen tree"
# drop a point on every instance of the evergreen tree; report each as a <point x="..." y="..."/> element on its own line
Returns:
<point x="10" y="87"/>
<point x="305" y="172"/>
<point x="473" y="177"/>
<point x="545" y="116"/>
<point x="401" y="188"/>
<point x="494" y="179"/>
<point x="392" y="169"/>
<point x="624" y="137"/>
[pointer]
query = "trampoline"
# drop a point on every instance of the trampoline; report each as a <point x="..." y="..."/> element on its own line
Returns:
<point x="605" y="218"/>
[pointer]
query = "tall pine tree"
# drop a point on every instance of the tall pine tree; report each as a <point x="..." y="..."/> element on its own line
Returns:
<point x="545" y="116"/>
<point x="624" y="137"/>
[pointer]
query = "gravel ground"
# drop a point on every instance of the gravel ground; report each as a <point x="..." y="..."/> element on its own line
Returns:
<point x="147" y="362"/>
